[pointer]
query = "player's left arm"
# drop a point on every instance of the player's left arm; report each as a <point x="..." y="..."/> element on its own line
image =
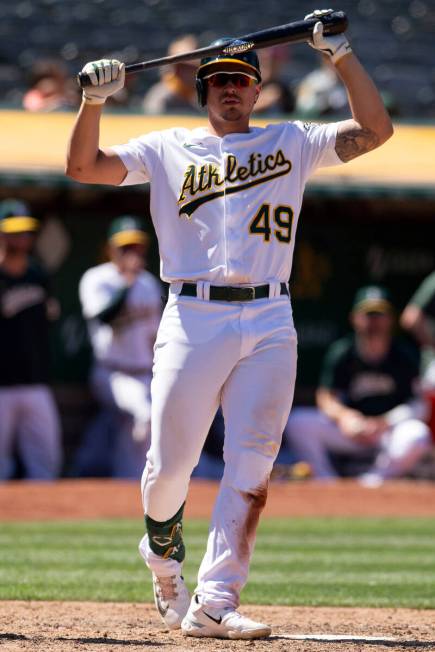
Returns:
<point x="370" y="126"/>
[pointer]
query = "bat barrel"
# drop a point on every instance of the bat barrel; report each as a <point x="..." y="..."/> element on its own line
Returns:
<point x="294" y="32"/>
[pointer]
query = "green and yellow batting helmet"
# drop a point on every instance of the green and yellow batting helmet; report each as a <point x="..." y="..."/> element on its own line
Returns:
<point x="240" y="61"/>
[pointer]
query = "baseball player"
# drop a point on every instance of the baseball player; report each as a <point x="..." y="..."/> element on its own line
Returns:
<point x="122" y="305"/>
<point x="225" y="201"/>
<point x="368" y="404"/>
<point x="29" y="420"/>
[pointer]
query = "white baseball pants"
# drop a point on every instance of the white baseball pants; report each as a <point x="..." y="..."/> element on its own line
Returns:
<point x="242" y="355"/>
<point x="29" y="422"/>
<point x="311" y="435"/>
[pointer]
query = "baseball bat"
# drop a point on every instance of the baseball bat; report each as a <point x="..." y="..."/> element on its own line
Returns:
<point x="295" y="32"/>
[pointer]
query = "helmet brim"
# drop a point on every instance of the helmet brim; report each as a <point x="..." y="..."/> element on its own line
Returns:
<point x="227" y="65"/>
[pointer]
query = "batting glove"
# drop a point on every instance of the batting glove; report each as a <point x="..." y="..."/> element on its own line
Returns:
<point x="336" y="46"/>
<point x="107" y="77"/>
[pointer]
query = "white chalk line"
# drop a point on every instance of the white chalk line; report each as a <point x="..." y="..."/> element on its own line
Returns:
<point x="336" y="637"/>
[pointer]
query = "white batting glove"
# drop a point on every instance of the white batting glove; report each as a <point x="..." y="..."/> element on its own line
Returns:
<point x="336" y="46"/>
<point x="107" y="77"/>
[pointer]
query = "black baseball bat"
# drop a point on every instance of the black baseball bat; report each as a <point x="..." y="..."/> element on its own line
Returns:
<point x="295" y="32"/>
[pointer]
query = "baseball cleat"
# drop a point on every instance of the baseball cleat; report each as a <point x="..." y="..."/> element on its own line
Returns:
<point x="171" y="598"/>
<point x="201" y="621"/>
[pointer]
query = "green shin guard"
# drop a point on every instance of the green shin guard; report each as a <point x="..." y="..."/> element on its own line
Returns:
<point x="166" y="538"/>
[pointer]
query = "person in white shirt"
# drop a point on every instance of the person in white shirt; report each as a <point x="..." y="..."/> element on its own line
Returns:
<point x="122" y="305"/>
<point x="225" y="201"/>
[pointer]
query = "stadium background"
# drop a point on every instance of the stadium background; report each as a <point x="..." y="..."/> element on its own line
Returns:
<point x="370" y="221"/>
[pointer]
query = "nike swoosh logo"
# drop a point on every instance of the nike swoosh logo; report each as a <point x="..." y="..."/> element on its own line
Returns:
<point x="190" y="145"/>
<point x="216" y="620"/>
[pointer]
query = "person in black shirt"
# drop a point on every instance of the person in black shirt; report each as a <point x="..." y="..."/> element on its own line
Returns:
<point x="367" y="401"/>
<point x="29" y="421"/>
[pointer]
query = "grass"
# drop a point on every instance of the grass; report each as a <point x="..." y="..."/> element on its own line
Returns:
<point x="309" y="561"/>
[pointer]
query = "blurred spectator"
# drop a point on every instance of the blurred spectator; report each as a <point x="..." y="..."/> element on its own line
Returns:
<point x="419" y="319"/>
<point x="176" y="91"/>
<point x="29" y="421"/>
<point x="51" y="88"/>
<point x="122" y="304"/>
<point x="367" y="406"/>
<point x="276" y="96"/>
<point x="321" y="92"/>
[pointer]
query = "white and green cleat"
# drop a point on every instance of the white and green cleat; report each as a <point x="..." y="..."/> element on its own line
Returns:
<point x="171" y="598"/>
<point x="201" y="621"/>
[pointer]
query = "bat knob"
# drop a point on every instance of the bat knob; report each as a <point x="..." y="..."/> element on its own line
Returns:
<point x="83" y="80"/>
<point x="334" y="23"/>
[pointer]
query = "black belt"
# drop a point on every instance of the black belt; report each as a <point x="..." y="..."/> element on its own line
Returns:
<point x="142" y="371"/>
<point x="226" y="293"/>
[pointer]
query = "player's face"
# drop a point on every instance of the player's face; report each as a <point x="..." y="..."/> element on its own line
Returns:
<point x="134" y="249"/>
<point x="20" y="243"/>
<point x="231" y="96"/>
<point x="122" y="256"/>
<point x="372" y="324"/>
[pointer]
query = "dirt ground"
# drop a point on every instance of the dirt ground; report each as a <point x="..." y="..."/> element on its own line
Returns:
<point x="72" y="626"/>
<point x="88" y="499"/>
<point x="108" y="627"/>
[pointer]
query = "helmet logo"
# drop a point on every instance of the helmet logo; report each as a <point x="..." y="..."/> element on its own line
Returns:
<point x="236" y="47"/>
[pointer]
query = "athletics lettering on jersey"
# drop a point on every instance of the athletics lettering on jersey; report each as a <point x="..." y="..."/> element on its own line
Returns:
<point x="19" y="298"/>
<point x="371" y="384"/>
<point x="198" y="179"/>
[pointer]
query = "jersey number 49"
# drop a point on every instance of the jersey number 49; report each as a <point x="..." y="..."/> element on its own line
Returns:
<point x="282" y="220"/>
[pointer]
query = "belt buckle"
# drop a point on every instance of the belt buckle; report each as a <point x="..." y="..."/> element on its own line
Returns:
<point x="247" y="294"/>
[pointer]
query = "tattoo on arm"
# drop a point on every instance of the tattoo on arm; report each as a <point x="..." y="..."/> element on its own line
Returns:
<point x="354" y="141"/>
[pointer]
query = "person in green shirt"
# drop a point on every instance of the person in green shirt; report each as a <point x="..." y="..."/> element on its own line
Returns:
<point x="367" y="400"/>
<point x="418" y="318"/>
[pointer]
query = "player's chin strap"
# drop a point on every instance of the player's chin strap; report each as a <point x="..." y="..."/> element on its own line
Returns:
<point x="166" y="538"/>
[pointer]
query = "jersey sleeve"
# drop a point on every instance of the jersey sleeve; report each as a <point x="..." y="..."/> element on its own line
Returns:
<point x="424" y="298"/>
<point x="318" y="146"/>
<point x="95" y="294"/>
<point x="139" y="156"/>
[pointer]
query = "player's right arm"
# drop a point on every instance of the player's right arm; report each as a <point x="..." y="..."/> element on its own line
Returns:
<point x="86" y="161"/>
<point x="418" y="316"/>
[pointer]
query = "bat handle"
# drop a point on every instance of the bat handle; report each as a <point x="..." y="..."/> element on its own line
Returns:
<point x="84" y="80"/>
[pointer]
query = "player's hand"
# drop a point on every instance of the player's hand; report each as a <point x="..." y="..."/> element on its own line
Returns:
<point x="374" y="428"/>
<point x="336" y="46"/>
<point x="131" y="264"/>
<point x="107" y="77"/>
<point x="351" y="423"/>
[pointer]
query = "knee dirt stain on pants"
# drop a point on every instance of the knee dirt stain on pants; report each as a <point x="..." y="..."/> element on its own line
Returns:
<point x="256" y="500"/>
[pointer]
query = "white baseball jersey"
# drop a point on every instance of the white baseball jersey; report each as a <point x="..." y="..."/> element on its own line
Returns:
<point x="127" y="341"/>
<point x="225" y="209"/>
